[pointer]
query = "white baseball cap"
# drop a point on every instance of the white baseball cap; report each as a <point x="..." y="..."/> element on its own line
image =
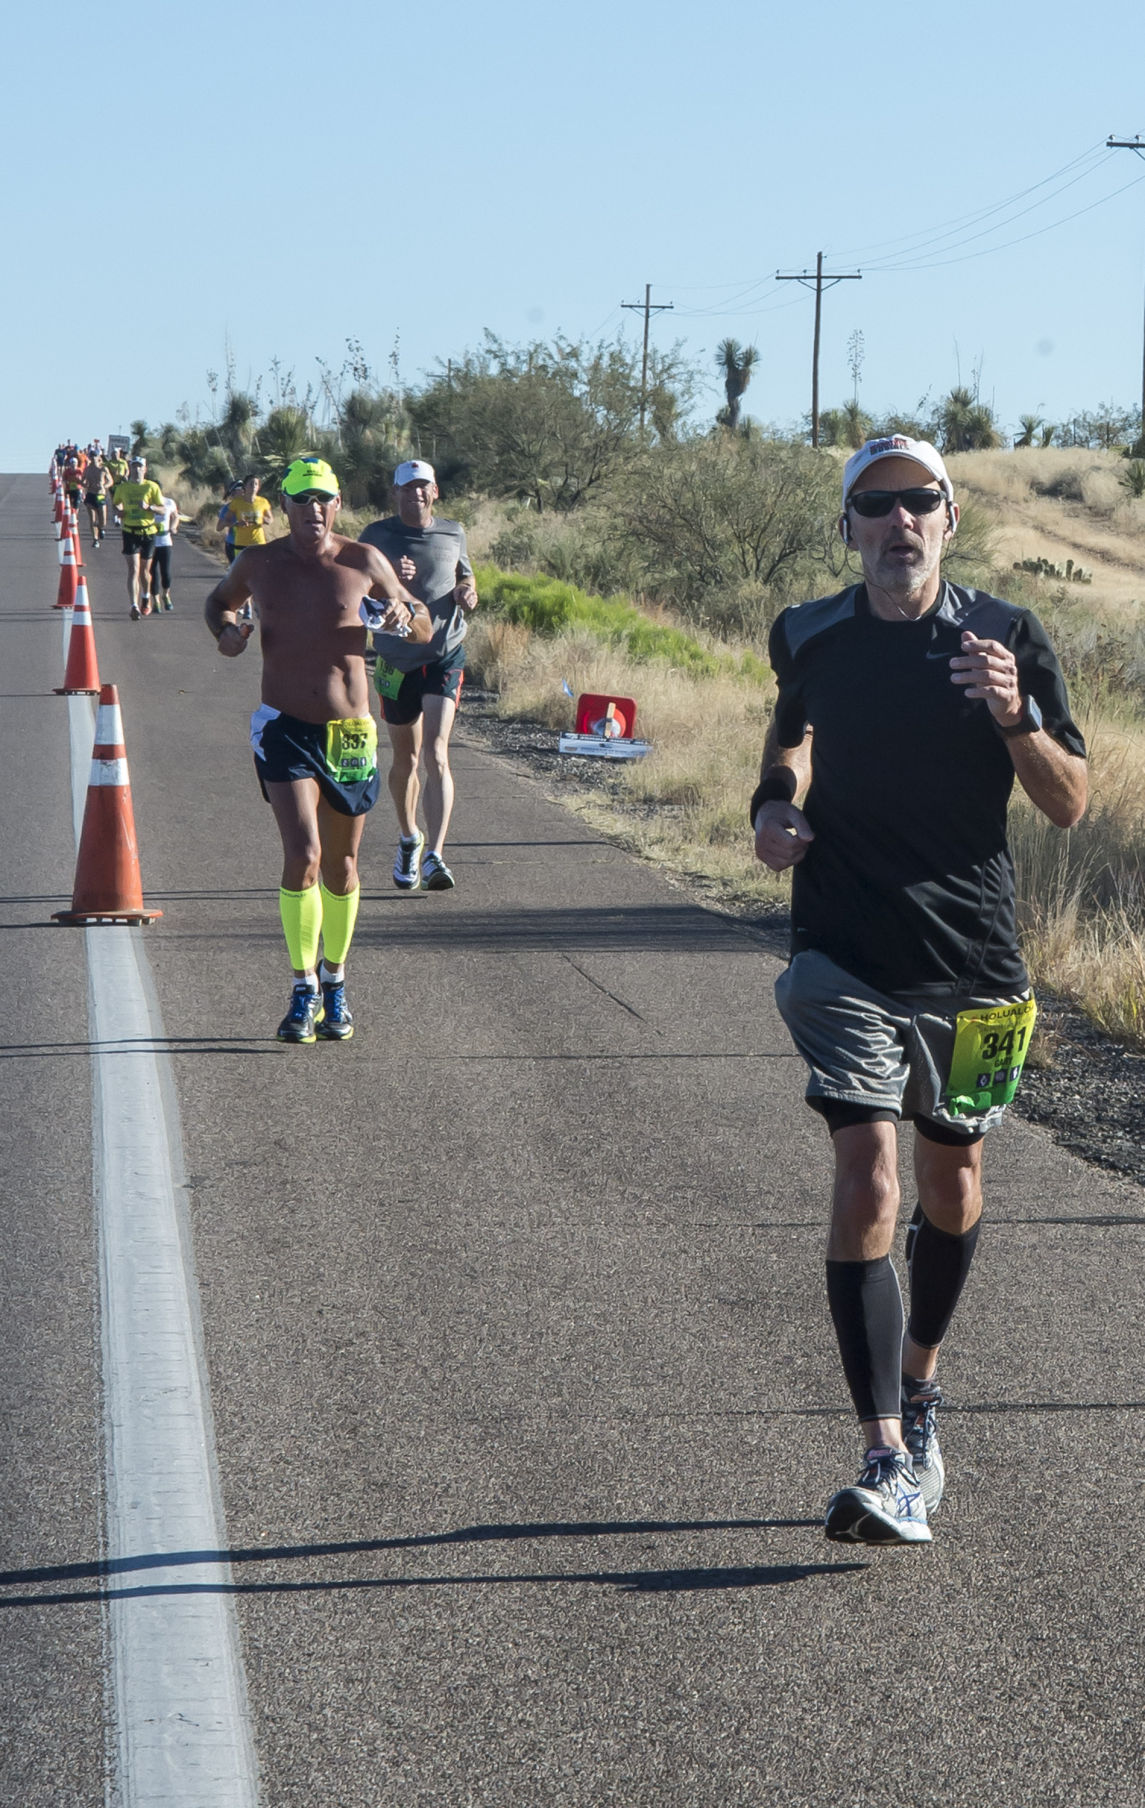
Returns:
<point x="896" y="445"/>
<point x="415" y="470"/>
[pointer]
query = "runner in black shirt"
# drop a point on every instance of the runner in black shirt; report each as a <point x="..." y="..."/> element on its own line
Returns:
<point x="907" y="705"/>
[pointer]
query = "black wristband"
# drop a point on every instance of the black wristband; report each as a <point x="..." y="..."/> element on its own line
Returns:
<point x="779" y="786"/>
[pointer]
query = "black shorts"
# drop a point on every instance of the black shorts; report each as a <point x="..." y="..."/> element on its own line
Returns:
<point x="95" y="502"/>
<point x="134" y="541"/>
<point x="440" y="678"/>
<point x="74" y="498"/>
<point x="286" y="748"/>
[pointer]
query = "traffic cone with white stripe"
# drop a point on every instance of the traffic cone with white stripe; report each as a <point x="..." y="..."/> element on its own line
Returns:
<point x="58" y="509"/>
<point x="66" y="592"/>
<point x="81" y="673"/>
<point x="108" y="886"/>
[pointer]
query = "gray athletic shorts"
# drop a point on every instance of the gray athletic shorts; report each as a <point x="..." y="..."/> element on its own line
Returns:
<point x="866" y="1049"/>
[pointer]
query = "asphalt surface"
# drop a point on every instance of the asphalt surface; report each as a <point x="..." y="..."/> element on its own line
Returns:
<point x="525" y="1398"/>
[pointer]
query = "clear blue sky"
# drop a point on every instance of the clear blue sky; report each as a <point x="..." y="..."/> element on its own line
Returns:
<point x="280" y="179"/>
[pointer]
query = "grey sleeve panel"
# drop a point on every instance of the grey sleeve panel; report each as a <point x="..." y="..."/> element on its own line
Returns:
<point x="805" y="620"/>
<point x="1040" y="675"/>
<point x="977" y="612"/>
<point x="792" y="630"/>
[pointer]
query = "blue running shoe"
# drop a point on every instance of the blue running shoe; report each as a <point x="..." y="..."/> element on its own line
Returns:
<point x="337" y="1025"/>
<point x="884" y="1507"/>
<point x="303" y="1017"/>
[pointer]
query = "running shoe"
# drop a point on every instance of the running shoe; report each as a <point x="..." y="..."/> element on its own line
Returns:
<point x="305" y="1014"/>
<point x="407" y="864"/>
<point x="337" y="1025"/>
<point x="135" y="611"/>
<point x="920" y="1435"/>
<point x="145" y="609"/>
<point x="435" y="875"/>
<point x="885" y="1506"/>
<point x="168" y="604"/>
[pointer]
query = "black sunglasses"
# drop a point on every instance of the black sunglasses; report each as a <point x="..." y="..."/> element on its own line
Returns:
<point x="873" y="503"/>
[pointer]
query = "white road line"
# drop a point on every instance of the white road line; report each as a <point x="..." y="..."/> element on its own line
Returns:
<point x="181" y="1734"/>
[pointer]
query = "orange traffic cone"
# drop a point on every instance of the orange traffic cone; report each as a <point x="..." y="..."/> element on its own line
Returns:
<point x="81" y="675"/>
<point x="66" y="593"/>
<point x="58" y="508"/>
<point x="108" y="887"/>
<point x="76" y="542"/>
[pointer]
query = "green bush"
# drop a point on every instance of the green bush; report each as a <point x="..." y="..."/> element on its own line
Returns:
<point x="549" y="607"/>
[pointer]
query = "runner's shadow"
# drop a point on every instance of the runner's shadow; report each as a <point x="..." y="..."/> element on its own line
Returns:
<point x="678" y="1580"/>
<point x="660" y="929"/>
<point x="357" y="1547"/>
<point x="163" y="1045"/>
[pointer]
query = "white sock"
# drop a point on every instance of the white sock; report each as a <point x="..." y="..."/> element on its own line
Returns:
<point x="332" y="976"/>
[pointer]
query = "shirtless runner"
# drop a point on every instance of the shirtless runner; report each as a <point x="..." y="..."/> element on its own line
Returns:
<point x="314" y="740"/>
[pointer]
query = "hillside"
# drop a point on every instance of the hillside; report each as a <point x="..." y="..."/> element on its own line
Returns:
<point x="1061" y="504"/>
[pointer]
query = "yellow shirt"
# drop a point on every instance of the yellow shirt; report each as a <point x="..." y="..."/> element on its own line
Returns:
<point x="250" y="515"/>
<point x="136" y="500"/>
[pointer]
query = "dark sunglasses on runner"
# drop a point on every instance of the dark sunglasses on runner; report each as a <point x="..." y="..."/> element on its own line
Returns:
<point x="873" y="503"/>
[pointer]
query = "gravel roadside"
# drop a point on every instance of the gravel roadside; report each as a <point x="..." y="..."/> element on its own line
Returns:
<point x="1088" y="1091"/>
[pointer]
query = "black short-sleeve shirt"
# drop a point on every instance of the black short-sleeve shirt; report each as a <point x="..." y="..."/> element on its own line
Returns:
<point x="909" y="882"/>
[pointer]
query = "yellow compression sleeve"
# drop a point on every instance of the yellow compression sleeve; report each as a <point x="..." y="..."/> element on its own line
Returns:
<point x="339" y="914"/>
<point x="301" y="913"/>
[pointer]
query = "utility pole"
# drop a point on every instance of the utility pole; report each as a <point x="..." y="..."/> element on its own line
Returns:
<point x="818" y="282"/>
<point x="661" y="307"/>
<point x="1133" y="144"/>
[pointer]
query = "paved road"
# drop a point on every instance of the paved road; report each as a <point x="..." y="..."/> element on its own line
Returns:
<point x="524" y="1399"/>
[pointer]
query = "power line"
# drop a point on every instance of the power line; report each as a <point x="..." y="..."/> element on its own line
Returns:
<point x="985" y="231"/>
<point x="1138" y="145"/>
<point x="941" y="263"/>
<point x="918" y="241"/>
<point x="911" y="242"/>
<point x="819" y="282"/>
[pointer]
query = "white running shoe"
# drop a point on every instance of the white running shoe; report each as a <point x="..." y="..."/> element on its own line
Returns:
<point x="407" y="863"/>
<point x="885" y="1506"/>
<point x="920" y="1435"/>
<point x="435" y="875"/>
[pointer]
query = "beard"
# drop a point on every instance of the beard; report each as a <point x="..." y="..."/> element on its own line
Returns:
<point x="901" y="575"/>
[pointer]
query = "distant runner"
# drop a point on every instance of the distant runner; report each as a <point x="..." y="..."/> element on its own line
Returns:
<point x="135" y="500"/>
<point x="314" y="740"/>
<point x="420" y="694"/>
<point x="166" y="527"/>
<point x="95" y="485"/>
<point x="246" y="515"/>
<point x="906" y="707"/>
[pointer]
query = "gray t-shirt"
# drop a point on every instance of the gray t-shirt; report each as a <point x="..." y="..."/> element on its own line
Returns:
<point x="440" y="560"/>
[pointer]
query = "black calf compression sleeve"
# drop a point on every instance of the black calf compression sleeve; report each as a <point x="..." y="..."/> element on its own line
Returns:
<point x="939" y="1265"/>
<point x="866" y="1307"/>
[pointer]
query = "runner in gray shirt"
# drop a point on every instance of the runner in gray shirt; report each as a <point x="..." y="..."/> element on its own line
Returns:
<point x="419" y="686"/>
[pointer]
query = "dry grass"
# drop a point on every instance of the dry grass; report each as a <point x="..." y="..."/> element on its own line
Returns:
<point x="685" y="805"/>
